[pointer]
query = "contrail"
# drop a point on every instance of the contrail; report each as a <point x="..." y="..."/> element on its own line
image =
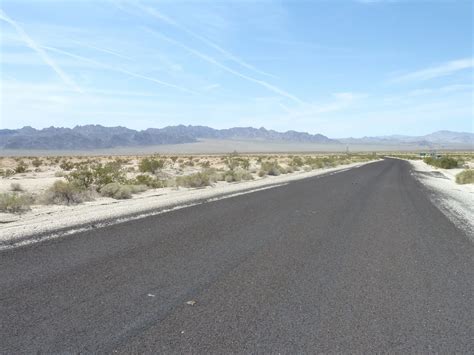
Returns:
<point x="123" y="71"/>
<point x="160" y="16"/>
<point x="211" y="60"/>
<point x="34" y="46"/>
<point x="104" y="50"/>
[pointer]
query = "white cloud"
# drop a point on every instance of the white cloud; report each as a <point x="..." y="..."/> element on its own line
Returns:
<point x="34" y="46"/>
<point x="156" y="14"/>
<point x="444" y="69"/>
<point x="213" y="61"/>
<point x="123" y="71"/>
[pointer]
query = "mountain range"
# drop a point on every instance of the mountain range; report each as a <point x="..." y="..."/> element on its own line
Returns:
<point x="98" y="137"/>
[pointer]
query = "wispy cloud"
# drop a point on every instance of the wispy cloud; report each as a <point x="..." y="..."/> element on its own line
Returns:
<point x="120" y="70"/>
<point x="213" y="61"/>
<point x="44" y="56"/>
<point x="158" y="15"/>
<point x="103" y="50"/>
<point x="211" y="87"/>
<point x="444" y="69"/>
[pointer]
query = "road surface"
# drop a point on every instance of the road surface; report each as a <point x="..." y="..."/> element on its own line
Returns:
<point x="359" y="261"/>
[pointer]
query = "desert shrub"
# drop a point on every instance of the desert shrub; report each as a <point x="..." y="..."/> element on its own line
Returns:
<point x="108" y="173"/>
<point x="97" y="175"/>
<point x="37" y="162"/>
<point x="15" y="203"/>
<point x="194" y="180"/>
<point x="270" y="168"/>
<point x="66" y="165"/>
<point x="116" y="190"/>
<point x="21" y="167"/>
<point x="147" y="180"/>
<point x="15" y="186"/>
<point x="296" y="161"/>
<point x="59" y="174"/>
<point x="151" y="165"/>
<point x="7" y="172"/>
<point x="465" y="177"/>
<point x="205" y="164"/>
<point x="82" y="178"/>
<point x="173" y="159"/>
<point x="237" y="175"/>
<point x="66" y="193"/>
<point x="443" y="163"/>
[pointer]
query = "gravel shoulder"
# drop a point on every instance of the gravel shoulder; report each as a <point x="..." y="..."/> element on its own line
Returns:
<point x="454" y="200"/>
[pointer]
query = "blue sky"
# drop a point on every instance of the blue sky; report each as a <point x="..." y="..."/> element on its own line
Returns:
<point x="340" y="68"/>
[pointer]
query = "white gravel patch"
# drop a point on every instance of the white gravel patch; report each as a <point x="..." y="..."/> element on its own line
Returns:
<point x="46" y="221"/>
<point x="454" y="200"/>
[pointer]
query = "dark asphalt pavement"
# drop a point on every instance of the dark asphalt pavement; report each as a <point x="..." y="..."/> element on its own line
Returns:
<point x="359" y="261"/>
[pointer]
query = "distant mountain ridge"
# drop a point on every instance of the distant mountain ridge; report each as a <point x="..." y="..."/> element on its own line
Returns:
<point x="90" y="137"/>
<point x="98" y="137"/>
<point x="439" y="138"/>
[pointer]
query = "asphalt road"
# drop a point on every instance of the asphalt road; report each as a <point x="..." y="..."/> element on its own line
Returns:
<point x="359" y="261"/>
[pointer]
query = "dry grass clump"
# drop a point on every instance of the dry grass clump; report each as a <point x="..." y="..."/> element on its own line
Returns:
<point x="270" y="168"/>
<point x="13" y="202"/>
<point x="120" y="192"/>
<point x="237" y="175"/>
<point x="465" y="177"/>
<point x="66" y="193"/>
<point x="200" y="179"/>
<point x="443" y="163"/>
<point x="147" y="180"/>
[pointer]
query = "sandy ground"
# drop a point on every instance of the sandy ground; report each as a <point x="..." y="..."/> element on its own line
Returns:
<point x="454" y="200"/>
<point x="44" y="220"/>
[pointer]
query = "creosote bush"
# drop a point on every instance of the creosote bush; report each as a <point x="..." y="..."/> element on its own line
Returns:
<point x="147" y="180"/>
<point x="465" y="177"/>
<point x="270" y="168"/>
<point x="443" y="163"/>
<point x="12" y="202"/>
<point x="200" y="179"/>
<point x="37" y="162"/>
<point x="237" y="175"/>
<point x="120" y="192"/>
<point x="66" y="193"/>
<point x="117" y="191"/>
<point x="66" y="165"/>
<point x="21" y="167"/>
<point x="151" y="165"/>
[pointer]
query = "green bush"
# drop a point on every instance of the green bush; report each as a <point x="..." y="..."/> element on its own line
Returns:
<point x="194" y="180"/>
<point x="66" y="165"/>
<point x="97" y="175"/>
<point x="7" y="172"/>
<point x="443" y="163"/>
<point x="15" y="203"/>
<point x="117" y="191"/>
<point x="147" y="180"/>
<point x="66" y="193"/>
<point x="21" y="167"/>
<point x="270" y="168"/>
<point x="297" y="161"/>
<point x="37" y="162"/>
<point x="237" y="175"/>
<point x="151" y="165"/>
<point x="465" y="177"/>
